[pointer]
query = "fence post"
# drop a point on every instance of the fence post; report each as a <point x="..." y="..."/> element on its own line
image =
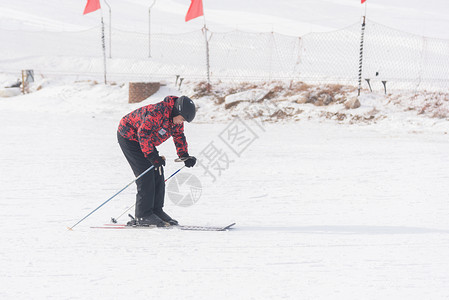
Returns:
<point x="104" y="49"/>
<point x="149" y="28"/>
<point x="110" y="29"/>
<point x="271" y="46"/>
<point x="207" y="55"/>
<point x="361" y="56"/>
<point x="421" y="61"/>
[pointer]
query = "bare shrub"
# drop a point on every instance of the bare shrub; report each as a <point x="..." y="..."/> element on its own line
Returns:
<point x="296" y="88"/>
<point x="441" y="113"/>
<point x="220" y="100"/>
<point x="231" y="105"/>
<point x="201" y="89"/>
<point x="424" y="109"/>
<point x="373" y="112"/>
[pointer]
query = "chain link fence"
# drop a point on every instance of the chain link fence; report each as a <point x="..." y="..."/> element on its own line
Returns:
<point x="399" y="59"/>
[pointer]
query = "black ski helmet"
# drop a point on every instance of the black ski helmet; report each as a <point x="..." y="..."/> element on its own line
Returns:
<point x="185" y="107"/>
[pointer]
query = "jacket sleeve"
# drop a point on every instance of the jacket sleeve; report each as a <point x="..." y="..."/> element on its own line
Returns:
<point x="180" y="141"/>
<point x="146" y="137"/>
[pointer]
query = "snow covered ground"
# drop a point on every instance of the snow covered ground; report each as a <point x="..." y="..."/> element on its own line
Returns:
<point x="329" y="203"/>
<point x="323" y="210"/>
<point x="288" y="17"/>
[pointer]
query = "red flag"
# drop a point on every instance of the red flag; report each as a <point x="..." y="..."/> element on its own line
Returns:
<point x="195" y="10"/>
<point x="363" y="1"/>
<point x="92" y="5"/>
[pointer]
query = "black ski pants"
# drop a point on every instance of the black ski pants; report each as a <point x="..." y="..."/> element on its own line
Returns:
<point x="151" y="186"/>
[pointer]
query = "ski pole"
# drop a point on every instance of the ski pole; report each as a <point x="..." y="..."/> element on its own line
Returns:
<point x="138" y="177"/>
<point x="114" y="220"/>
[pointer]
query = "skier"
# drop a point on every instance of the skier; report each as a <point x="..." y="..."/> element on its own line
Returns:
<point x="138" y="134"/>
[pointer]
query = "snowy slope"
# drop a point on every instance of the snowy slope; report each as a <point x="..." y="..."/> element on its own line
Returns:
<point x="75" y="47"/>
<point x="427" y="18"/>
<point x="323" y="212"/>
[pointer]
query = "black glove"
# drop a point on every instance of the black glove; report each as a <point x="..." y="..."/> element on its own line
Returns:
<point x="190" y="161"/>
<point x="156" y="160"/>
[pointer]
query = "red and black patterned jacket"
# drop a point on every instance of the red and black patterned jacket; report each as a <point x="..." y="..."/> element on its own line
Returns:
<point x="152" y="125"/>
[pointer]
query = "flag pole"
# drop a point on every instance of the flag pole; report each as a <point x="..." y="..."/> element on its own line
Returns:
<point x="365" y="8"/>
<point x="91" y="6"/>
<point x="362" y="38"/>
<point x="103" y="45"/>
<point x="196" y="10"/>
<point x="149" y="28"/>
<point x="207" y="52"/>
<point x="110" y="29"/>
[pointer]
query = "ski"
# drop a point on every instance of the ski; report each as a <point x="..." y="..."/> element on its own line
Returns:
<point x="205" y="228"/>
<point x="180" y="227"/>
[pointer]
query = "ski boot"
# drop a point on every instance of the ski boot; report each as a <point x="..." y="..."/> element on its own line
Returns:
<point x="165" y="217"/>
<point x="151" y="220"/>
